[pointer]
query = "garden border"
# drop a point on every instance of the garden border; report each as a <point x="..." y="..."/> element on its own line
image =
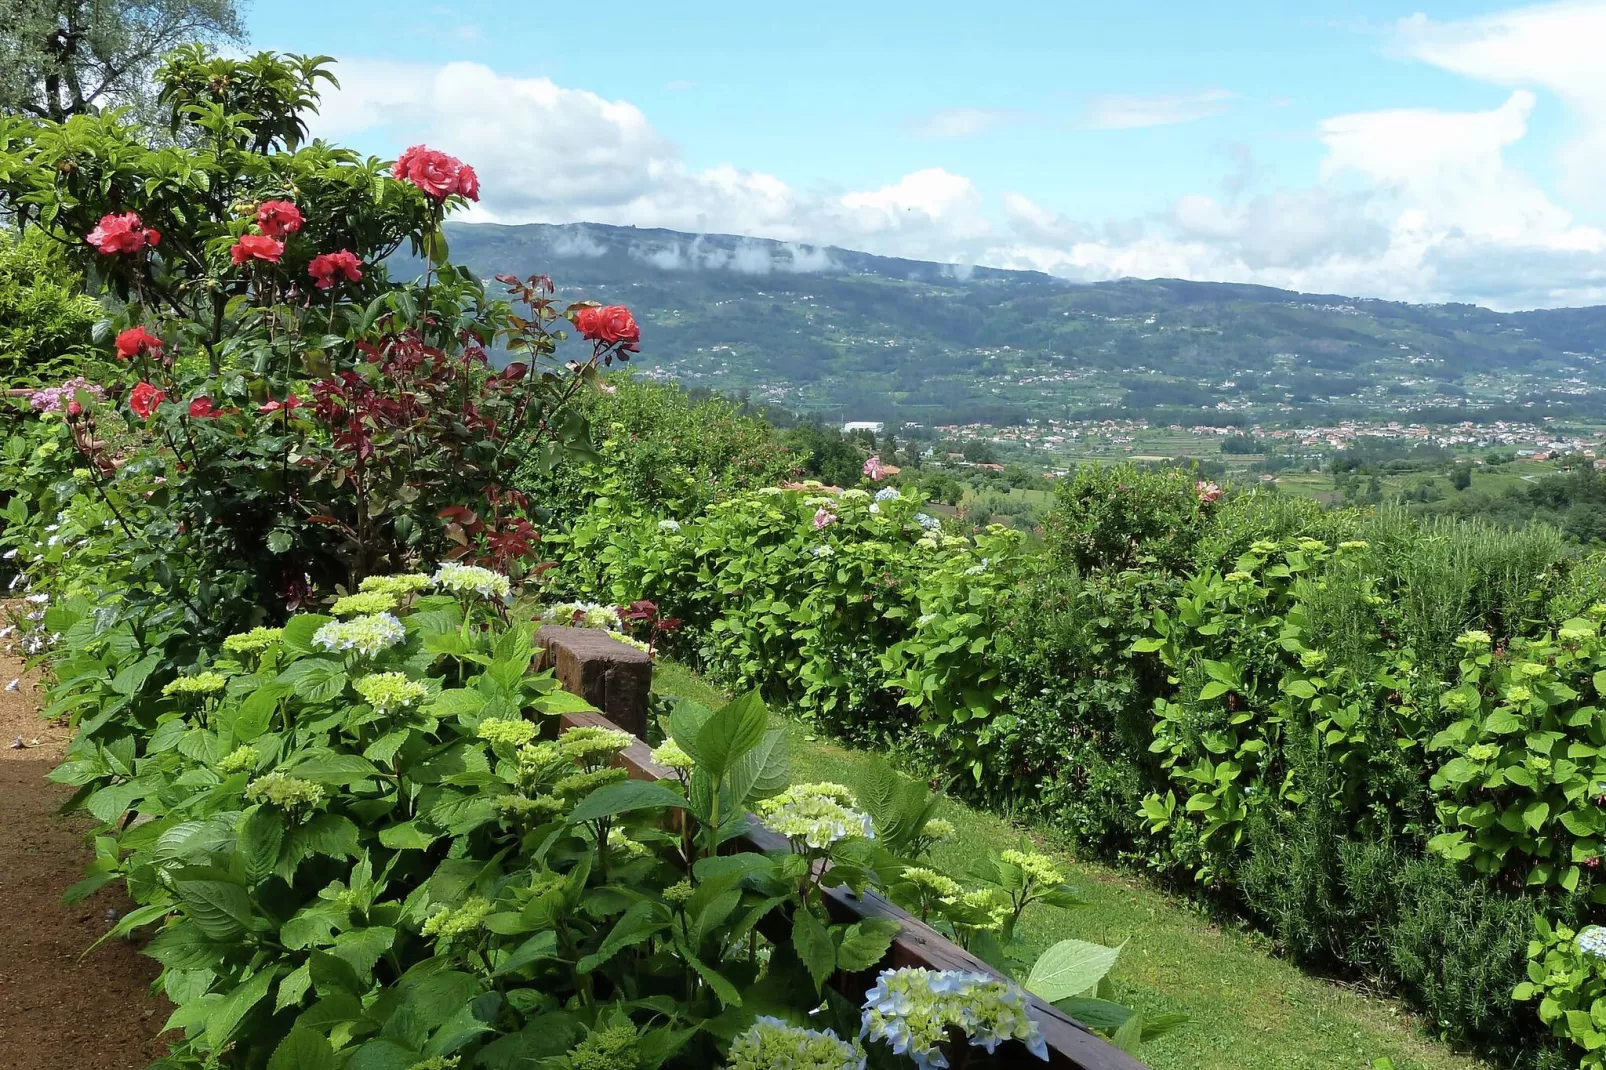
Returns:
<point x="1071" y="1045"/>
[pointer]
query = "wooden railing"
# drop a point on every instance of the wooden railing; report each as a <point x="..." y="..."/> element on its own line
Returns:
<point x="1071" y="1045"/>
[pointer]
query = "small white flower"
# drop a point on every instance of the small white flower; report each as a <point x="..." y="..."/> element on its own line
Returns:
<point x="670" y="526"/>
<point x="38" y="599"/>
<point x="9" y="554"/>
<point x="15" y="684"/>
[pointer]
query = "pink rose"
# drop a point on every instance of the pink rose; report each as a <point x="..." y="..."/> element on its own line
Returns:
<point x="256" y="247"/>
<point x="279" y="218"/>
<point x="143" y="400"/>
<point x="325" y="266"/>
<point x="122" y="234"/>
<point x="432" y="171"/>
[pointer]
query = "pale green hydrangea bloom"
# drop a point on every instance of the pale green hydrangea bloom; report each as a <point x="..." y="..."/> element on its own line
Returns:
<point x="588" y="744"/>
<point x="1354" y="544"/>
<point x="388" y="692"/>
<point x="202" y="683"/>
<point x="288" y="793"/>
<point x="613" y="1048"/>
<point x="621" y="844"/>
<point x="239" y="760"/>
<point x="672" y="755"/>
<point x="439" y="1062"/>
<point x="1575" y="630"/>
<point x="931" y="883"/>
<point x="939" y="828"/>
<point x="472" y="579"/>
<point x="354" y="605"/>
<point x="854" y="494"/>
<point x="1482" y="752"/>
<point x="1037" y="868"/>
<point x="1311" y="546"/>
<point x="447" y="922"/>
<point x="254" y="641"/>
<point x="1518" y="693"/>
<point x="912" y="1009"/>
<point x="579" y="785"/>
<point x="1239" y="576"/>
<point x="527" y="810"/>
<point x="505" y="730"/>
<point x="367" y="636"/>
<point x="582" y="615"/>
<point x="817" y="815"/>
<point x="679" y="892"/>
<point x="630" y="641"/>
<point x="980" y="910"/>
<point x="1474" y="640"/>
<point x="399" y="586"/>
<point x="770" y="1043"/>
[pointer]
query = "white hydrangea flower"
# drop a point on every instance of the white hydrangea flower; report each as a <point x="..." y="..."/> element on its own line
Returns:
<point x="912" y="1009"/>
<point x="817" y="815"/>
<point x="1592" y="941"/>
<point x="670" y="526"/>
<point x="367" y="636"/>
<point x="472" y="579"/>
<point x="770" y="1043"/>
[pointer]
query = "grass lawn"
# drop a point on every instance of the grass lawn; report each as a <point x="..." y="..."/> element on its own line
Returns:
<point x="1249" y="1010"/>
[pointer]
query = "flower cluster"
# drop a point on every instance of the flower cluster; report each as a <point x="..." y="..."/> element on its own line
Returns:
<point x="1592" y="941"/>
<point x="888" y="494"/>
<point x="631" y="641"/>
<point x="525" y="810"/>
<point x="673" y="756"/>
<point x="437" y="174"/>
<point x="912" y="1010"/>
<point x="144" y="399"/>
<point x="325" y="266"/>
<point x="123" y="233"/>
<point x="363" y="603"/>
<point x="472" y="579"/>
<point x="202" y="683"/>
<point x="823" y="518"/>
<point x="241" y="759"/>
<point x="624" y="846"/>
<point x="927" y="521"/>
<point x="256" y="247"/>
<point x="506" y="731"/>
<point x="582" y="615"/>
<point x="769" y="1043"/>
<point x="670" y="526"/>
<point x="587" y="745"/>
<point x="65" y="396"/>
<point x="398" y="586"/>
<point x="278" y="219"/>
<point x="1038" y="869"/>
<point x="1207" y="492"/>
<point x="387" y="692"/>
<point x="366" y="635"/>
<point x="875" y="471"/>
<point x="288" y="793"/>
<point x="254" y="641"/>
<point x="470" y="917"/>
<point x="609" y="325"/>
<point x="818" y="815"/>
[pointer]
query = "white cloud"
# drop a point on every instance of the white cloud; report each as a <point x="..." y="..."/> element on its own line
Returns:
<point x="963" y="122"/>
<point x="1123" y="112"/>
<point x="1552" y="46"/>
<point x="1409" y="203"/>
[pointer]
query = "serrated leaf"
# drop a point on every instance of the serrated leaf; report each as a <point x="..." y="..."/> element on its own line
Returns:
<point x="1070" y="968"/>
<point x="812" y="942"/>
<point x="302" y="1049"/>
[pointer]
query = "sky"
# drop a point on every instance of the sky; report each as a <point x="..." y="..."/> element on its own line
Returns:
<point x="1422" y="152"/>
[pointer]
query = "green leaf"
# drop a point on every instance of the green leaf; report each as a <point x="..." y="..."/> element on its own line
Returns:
<point x="1130" y="1035"/>
<point x="225" y="1018"/>
<point x="813" y="944"/>
<point x="624" y="797"/>
<point x="865" y="943"/>
<point x="315" y="679"/>
<point x="734" y="730"/>
<point x="302" y="1049"/>
<point x="634" y="925"/>
<point x="298" y="632"/>
<point x="261" y="834"/>
<point x="221" y="909"/>
<point x="761" y="772"/>
<point x="1070" y="968"/>
<point x="1213" y="689"/>
<point x="555" y="702"/>
<point x="407" y="837"/>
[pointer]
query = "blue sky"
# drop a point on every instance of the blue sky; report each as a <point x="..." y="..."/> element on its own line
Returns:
<point x="1424" y="151"/>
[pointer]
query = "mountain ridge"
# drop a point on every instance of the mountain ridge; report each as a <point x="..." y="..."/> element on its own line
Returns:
<point x="832" y="330"/>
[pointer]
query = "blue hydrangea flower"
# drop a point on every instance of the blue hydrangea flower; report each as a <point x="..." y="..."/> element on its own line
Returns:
<point x="887" y="494"/>
<point x="1592" y="941"/>
<point x="913" y="1009"/>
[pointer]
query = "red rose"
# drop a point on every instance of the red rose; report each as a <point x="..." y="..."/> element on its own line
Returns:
<point x="278" y="218"/>
<point x="153" y="237"/>
<point x="468" y="183"/>
<point x="616" y="324"/>
<point x="201" y="408"/>
<point x="75" y="408"/>
<point x="434" y="172"/>
<point x="136" y="342"/>
<point x="585" y="321"/>
<point x="326" y="266"/>
<point x="256" y="247"/>
<point x="121" y="234"/>
<point x="289" y="404"/>
<point x="144" y="399"/>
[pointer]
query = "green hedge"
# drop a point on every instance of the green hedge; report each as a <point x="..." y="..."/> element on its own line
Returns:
<point x="1246" y="695"/>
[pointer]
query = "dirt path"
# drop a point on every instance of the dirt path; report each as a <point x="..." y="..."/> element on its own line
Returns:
<point x="58" y="1012"/>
